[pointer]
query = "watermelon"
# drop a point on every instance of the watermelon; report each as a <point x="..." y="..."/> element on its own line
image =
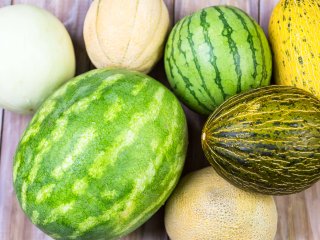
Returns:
<point x="214" y="54"/>
<point x="266" y="140"/>
<point x="101" y="155"/>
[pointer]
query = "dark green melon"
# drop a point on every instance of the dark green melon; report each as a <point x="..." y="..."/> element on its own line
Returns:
<point x="216" y="53"/>
<point x="266" y="140"/>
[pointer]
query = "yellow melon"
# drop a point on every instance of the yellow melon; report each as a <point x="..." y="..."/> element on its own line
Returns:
<point x="294" y="37"/>
<point x="204" y="206"/>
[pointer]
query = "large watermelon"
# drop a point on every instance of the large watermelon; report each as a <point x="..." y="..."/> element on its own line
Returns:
<point x="101" y="155"/>
<point x="216" y="53"/>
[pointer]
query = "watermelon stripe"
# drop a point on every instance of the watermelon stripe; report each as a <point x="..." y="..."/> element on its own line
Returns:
<point x="196" y="62"/>
<point x="188" y="84"/>
<point x="174" y="171"/>
<point x="18" y="161"/>
<point x="115" y="108"/>
<point x="213" y="58"/>
<point x="59" y="211"/>
<point x="85" y="138"/>
<point x="180" y="41"/>
<point x="148" y="209"/>
<point x="141" y="185"/>
<point x="44" y="193"/>
<point x="45" y="113"/>
<point x="35" y="217"/>
<point x="227" y="32"/>
<point x="170" y="71"/>
<point x="264" y="67"/>
<point x="24" y="196"/>
<point x="126" y="138"/>
<point x="138" y="88"/>
<point x="57" y="134"/>
<point x="47" y="109"/>
<point x="80" y="186"/>
<point x="250" y="41"/>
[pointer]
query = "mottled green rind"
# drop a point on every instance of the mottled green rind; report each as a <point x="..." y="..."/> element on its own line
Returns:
<point x="214" y="54"/>
<point x="266" y="140"/>
<point x="149" y="133"/>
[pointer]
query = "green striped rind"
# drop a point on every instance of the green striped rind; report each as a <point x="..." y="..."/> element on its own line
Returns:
<point x="101" y="155"/>
<point x="266" y="140"/>
<point x="214" y="54"/>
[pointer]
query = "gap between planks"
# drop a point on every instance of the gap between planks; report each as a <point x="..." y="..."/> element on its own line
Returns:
<point x="1" y="130"/>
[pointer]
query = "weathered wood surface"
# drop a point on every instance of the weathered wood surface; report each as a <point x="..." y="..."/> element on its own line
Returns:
<point x="298" y="214"/>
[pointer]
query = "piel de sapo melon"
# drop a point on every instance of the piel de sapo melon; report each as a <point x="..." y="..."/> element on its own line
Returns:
<point x="266" y="140"/>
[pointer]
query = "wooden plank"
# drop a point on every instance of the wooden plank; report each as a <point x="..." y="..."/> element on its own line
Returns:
<point x="1" y="116"/>
<point x="4" y="3"/>
<point x="170" y="6"/>
<point x="299" y="215"/>
<point x="14" y="224"/>
<point x="266" y="7"/>
<point x="186" y="7"/>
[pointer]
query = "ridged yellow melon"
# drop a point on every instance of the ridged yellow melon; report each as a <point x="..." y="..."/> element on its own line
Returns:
<point x="125" y="33"/>
<point x="204" y="206"/>
<point x="294" y="36"/>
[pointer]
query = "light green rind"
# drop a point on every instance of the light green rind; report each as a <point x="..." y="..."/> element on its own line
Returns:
<point x="101" y="155"/>
<point x="214" y="54"/>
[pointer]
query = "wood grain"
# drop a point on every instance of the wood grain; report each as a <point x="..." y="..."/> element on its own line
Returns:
<point x="13" y="223"/>
<point x="265" y="10"/>
<point x="4" y="3"/>
<point x="186" y="7"/>
<point x="1" y="117"/>
<point x="298" y="214"/>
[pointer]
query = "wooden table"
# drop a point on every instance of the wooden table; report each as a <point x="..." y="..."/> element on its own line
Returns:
<point x="299" y="214"/>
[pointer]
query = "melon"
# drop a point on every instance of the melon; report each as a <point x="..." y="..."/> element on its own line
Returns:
<point x="204" y="206"/>
<point x="214" y="54"/>
<point x="294" y="37"/>
<point x="266" y="140"/>
<point x="37" y="57"/>
<point x="101" y="155"/>
<point x="128" y="34"/>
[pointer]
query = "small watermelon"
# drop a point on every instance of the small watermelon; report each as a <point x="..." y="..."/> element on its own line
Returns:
<point x="101" y="155"/>
<point x="214" y="54"/>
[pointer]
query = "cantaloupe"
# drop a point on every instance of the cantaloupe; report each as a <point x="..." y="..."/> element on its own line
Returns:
<point x="204" y="206"/>
<point x="125" y="33"/>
